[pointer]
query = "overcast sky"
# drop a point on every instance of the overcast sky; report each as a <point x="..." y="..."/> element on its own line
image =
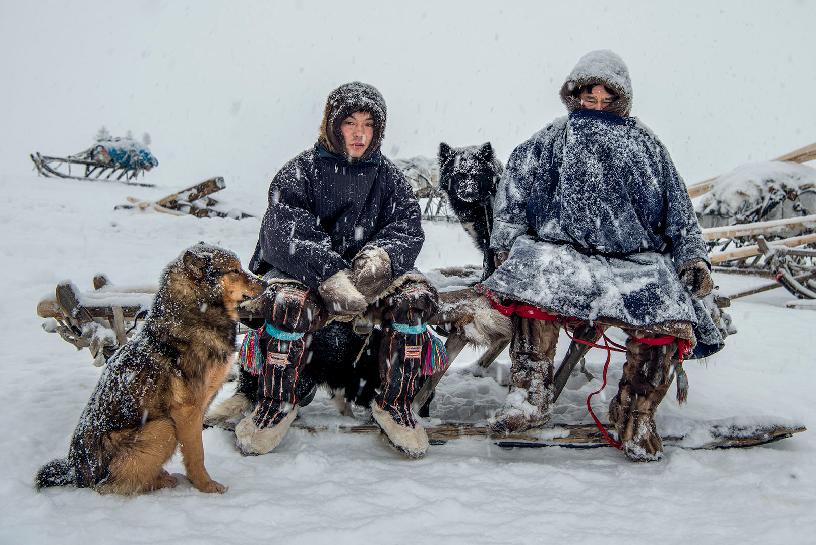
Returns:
<point x="237" y="88"/>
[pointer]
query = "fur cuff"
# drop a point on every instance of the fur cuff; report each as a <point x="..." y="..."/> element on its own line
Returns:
<point x="252" y="440"/>
<point x="412" y="442"/>
<point x="227" y="413"/>
<point x="696" y="277"/>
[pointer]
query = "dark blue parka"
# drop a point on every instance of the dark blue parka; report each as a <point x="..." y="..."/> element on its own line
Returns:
<point x="324" y="207"/>
<point x="596" y="218"/>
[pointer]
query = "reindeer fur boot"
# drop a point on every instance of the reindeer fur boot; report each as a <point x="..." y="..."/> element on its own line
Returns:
<point x="529" y="403"/>
<point x="647" y="375"/>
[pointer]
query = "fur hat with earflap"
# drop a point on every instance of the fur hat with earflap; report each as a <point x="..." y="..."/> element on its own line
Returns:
<point x="344" y="101"/>
<point x="602" y="67"/>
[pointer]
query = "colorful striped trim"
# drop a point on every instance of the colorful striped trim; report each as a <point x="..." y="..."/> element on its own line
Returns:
<point x="250" y="357"/>
<point x="436" y="358"/>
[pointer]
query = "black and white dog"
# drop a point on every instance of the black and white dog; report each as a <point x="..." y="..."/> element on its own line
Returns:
<point x="469" y="177"/>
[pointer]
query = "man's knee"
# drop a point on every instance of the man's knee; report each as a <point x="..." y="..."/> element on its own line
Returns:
<point x="292" y="307"/>
<point x="412" y="303"/>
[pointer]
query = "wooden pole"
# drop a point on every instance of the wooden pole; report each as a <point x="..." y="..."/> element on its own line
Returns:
<point x="758" y="228"/>
<point x="748" y="251"/>
<point x="193" y="193"/>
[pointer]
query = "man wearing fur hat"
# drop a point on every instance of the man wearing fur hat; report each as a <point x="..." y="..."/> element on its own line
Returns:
<point x="338" y="242"/>
<point x="594" y="225"/>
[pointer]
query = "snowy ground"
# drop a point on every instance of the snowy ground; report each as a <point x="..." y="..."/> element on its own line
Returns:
<point x="336" y="488"/>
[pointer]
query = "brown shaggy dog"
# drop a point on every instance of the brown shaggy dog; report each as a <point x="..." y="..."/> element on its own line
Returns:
<point x="153" y="392"/>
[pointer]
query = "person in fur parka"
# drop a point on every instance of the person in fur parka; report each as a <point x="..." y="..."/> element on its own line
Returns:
<point x="593" y="224"/>
<point x="337" y="244"/>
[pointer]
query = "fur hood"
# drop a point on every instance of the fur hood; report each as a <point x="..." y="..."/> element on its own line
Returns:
<point x="599" y="67"/>
<point x="344" y="101"/>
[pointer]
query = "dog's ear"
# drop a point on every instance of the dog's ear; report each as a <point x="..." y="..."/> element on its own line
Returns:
<point x="195" y="263"/>
<point x="445" y="152"/>
<point x="486" y="151"/>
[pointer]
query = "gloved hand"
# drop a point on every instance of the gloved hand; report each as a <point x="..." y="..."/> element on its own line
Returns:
<point x="500" y="257"/>
<point x="371" y="272"/>
<point x="340" y="296"/>
<point x="291" y="307"/>
<point x="697" y="278"/>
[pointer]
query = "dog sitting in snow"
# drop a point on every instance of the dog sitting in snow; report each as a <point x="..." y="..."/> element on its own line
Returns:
<point x="469" y="177"/>
<point x="152" y="393"/>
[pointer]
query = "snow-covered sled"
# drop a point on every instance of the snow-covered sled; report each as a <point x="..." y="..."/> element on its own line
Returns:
<point x="761" y="219"/>
<point x="118" y="159"/>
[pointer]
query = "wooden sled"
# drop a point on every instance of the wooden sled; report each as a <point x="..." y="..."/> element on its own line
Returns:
<point x="790" y="262"/>
<point x="93" y="165"/>
<point x="719" y="435"/>
<point x="195" y="200"/>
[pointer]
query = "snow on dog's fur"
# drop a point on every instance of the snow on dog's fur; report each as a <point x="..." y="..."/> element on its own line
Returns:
<point x="152" y="394"/>
<point x="469" y="177"/>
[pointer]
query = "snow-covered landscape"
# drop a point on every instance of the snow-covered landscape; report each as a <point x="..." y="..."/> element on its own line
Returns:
<point x="237" y="89"/>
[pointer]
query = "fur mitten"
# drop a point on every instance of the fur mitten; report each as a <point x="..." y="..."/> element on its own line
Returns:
<point x="696" y="277"/>
<point x="341" y="296"/>
<point x="371" y="271"/>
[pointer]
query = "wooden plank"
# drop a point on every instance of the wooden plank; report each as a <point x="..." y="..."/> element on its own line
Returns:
<point x="100" y="281"/>
<point x="758" y="228"/>
<point x="49" y="308"/>
<point x="193" y="193"/>
<point x="701" y="188"/>
<point x="801" y="155"/>
<point x="752" y="250"/>
<point x="118" y="323"/>
<point x="67" y="298"/>
<point x="574" y="354"/>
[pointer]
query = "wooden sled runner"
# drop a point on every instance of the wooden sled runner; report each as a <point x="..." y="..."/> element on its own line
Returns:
<point x="720" y="435"/>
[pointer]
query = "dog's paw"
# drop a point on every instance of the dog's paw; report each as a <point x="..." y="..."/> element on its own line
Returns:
<point x="165" y="480"/>
<point x="212" y="486"/>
